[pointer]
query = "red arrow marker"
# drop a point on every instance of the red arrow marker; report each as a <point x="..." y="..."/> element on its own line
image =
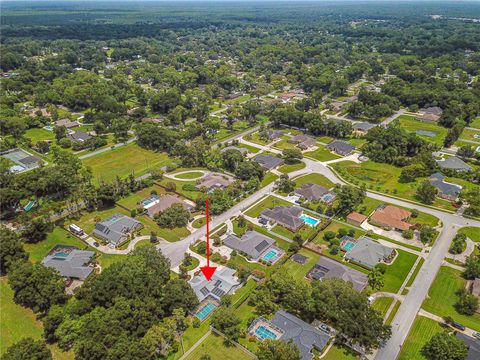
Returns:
<point x="208" y="270"/>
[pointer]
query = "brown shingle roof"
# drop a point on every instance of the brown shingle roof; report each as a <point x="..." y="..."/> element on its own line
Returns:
<point x="355" y="216"/>
<point x="392" y="216"/>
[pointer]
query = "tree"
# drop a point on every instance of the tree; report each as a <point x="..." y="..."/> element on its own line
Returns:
<point x="278" y="350"/>
<point x="36" y="230"/>
<point x="376" y="279"/>
<point x="178" y="295"/>
<point x="284" y="184"/>
<point x="472" y="267"/>
<point x="408" y="234"/>
<point x="28" y="348"/>
<point x="458" y="244"/>
<point x="292" y="156"/>
<point x="443" y="346"/>
<point x="427" y="234"/>
<point x="348" y="198"/>
<point x="174" y="216"/>
<point x="11" y="249"/>
<point x="226" y="321"/>
<point x="426" y="192"/>
<point x="467" y="303"/>
<point x="36" y="286"/>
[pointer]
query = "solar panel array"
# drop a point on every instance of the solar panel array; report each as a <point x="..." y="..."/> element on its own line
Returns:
<point x="261" y="246"/>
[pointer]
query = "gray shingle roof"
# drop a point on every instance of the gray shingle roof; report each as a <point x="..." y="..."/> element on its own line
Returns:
<point x="288" y="216"/>
<point x="454" y="163"/>
<point x="268" y="161"/>
<point x="79" y="136"/>
<point x="472" y="344"/>
<point x="363" y="126"/>
<point x="312" y="192"/>
<point x="251" y="243"/>
<point x="242" y="150"/>
<point x="340" y="147"/>
<point x="222" y="282"/>
<point x="368" y="252"/>
<point x="304" y="335"/>
<point x="116" y="228"/>
<point x="73" y="265"/>
<point x="332" y="269"/>
<point x="443" y="187"/>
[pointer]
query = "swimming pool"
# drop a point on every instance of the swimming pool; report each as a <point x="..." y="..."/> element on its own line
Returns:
<point x="270" y="255"/>
<point x="263" y="333"/>
<point x="205" y="311"/>
<point x="309" y="220"/>
<point x="328" y="197"/>
<point x="349" y="246"/>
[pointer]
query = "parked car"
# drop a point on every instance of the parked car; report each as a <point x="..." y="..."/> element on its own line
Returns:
<point x="476" y="335"/>
<point x="458" y="326"/>
<point x="96" y="244"/>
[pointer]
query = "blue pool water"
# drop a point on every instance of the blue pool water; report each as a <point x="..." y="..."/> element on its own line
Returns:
<point x="349" y="246"/>
<point x="328" y="197"/>
<point x="205" y="311"/>
<point x="269" y="255"/>
<point x="61" y="254"/>
<point x="263" y="333"/>
<point x="309" y="220"/>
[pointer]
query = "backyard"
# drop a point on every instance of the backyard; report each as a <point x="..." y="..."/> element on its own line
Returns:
<point x="214" y="346"/>
<point x="297" y="270"/>
<point x="442" y="298"/>
<point x="426" y="130"/>
<point x="123" y="161"/>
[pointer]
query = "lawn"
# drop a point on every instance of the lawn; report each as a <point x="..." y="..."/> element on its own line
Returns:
<point x="471" y="232"/>
<point x="298" y="271"/>
<point x="215" y="347"/>
<point x="255" y="138"/>
<point x="250" y="148"/>
<point x="288" y="168"/>
<point x="398" y="271"/>
<point x="442" y="297"/>
<point x="475" y="123"/>
<point x="313" y="178"/>
<point x="198" y="223"/>
<point x="189" y="194"/>
<point x="383" y="178"/>
<point x="39" y="134"/>
<point x="268" y="179"/>
<point x="18" y="322"/>
<point x="422" y="331"/>
<point x="132" y="200"/>
<point x="322" y="154"/>
<point x="267" y="203"/>
<point x="123" y="161"/>
<point x="410" y="124"/>
<point x="283" y="144"/>
<point x="382" y="305"/>
<point x="338" y="352"/>
<point x="369" y="205"/>
<point x="469" y="134"/>
<point x="190" y="175"/>
<point x="239" y="99"/>
<point x="190" y="337"/>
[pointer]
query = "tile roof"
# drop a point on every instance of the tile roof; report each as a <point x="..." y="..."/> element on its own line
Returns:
<point x="355" y="216"/>
<point x="304" y="335"/>
<point x="392" y="216"/>
<point x="251" y="243"/>
<point x="368" y="252"/>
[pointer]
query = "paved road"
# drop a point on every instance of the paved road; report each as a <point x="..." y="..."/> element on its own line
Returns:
<point x="107" y="149"/>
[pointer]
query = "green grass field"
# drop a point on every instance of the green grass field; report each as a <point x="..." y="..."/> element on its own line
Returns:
<point x="250" y="148"/>
<point x="337" y="352"/>
<point x="383" y="178"/>
<point x="469" y="134"/>
<point x="475" y="123"/>
<point x="198" y="223"/>
<point x="267" y="203"/>
<point x="190" y="175"/>
<point x="39" y="134"/>
<point x="442" y="297"/>
<point x="398" y="271"/>
<point x="288" y="168"/>
<point x="410" y="124"/>
<point x="313" y="178"/>
<point x="268" y="179"/>
<point x="298" y="271"/>
<point x="322" y="154"/>
<point x="472" y="232"/>
<point x="123" y="161"/>
<point x="131" y="201"/>
<point x="382" y="304"/>
<point x="422" y="331"/>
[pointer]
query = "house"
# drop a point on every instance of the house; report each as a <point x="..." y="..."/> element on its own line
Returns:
<point x="252" y="243"/>
<point x="274" y="134"/>
<point x="391" y="217"/>
<point x="367" y="252"/>
<point x="336" y="105"/>
<point x="30" y="161"/>
<point x="286" y="97"/>
<point x="314" y="192"/>
<point x="431" y="114"/>
<point x="213" y="181"/>
<point x="475" y="288"/>
<point x="472" y="344"/>
<point x="116" y="228"/>
<point x="164" y="202"/>
<point x="286" y="216"/>
<point x="268" y="162"/>
<point x="304" y="335"/>
<point x="362" y="127"/>
<point x="454" y="163"/>
<point x="67" y="123"/>
<point x="445" y="190"/>
<point x="303" y="141"/>
<point x="242" y="150"/>
<point x="341" y="147"/>
<point x="222" y="282"/>
<point x="356" y="218"/>
<point x="326" y="268"/>
<point x="79" y="136"/>
<point x="70" y="262"/>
